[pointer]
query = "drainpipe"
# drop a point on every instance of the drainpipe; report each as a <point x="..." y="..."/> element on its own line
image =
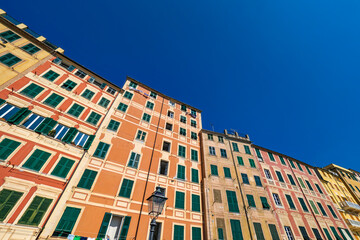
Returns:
<point x="148" y="173"/>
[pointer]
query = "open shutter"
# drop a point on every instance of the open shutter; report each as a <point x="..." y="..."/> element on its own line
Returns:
<point x="19" y="116"/>
<point x="348" y="232"/>
<point x="103" y="85"/>
<point x="46" y="126"/>
<point x="125" y="228"/>
<point x="273" y="231"/>
<point x="335" y="233"/>
<point x="104" y="225"/>
<point x="67" y="222"/>
<point x="2" y="101"/>
<point x="89" y="142"/>
<point x="70" y="135"/>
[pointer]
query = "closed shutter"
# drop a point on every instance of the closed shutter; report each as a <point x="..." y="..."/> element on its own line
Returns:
<point x="232" y="201"/>
<point x="317" y="234"/>
<point x="280" y="177"/>
<point x="220" y="234"/>
<point x="195" y="200"/>
<point x="32" y="90"/>
<point x="178" y="232"/>
<point x="7" y="147"/>
<point x="313" y="207"/>
<point x="290" y="201"/>
<point x="89" y="142"/>
<point x="181" y="172"/>
<point x="240" y="161"/>
<point x="125" y="228"/>
<point x="227" y="172"/>
<point x="258" y="231"/>
<point x="102" y="149"/>
<point x="273" y="232"/>
<point x="18" y="117"/>
<point x="76" y="110"/>
<point x="304" y="233"/>
<point x="180" y="200"/>
<point x="104" y="225"/>
<point x="236" y="229"/>
<point x="303" y="205"/>
<point x="194" y="175"/>
<point x="282" y="160"/>
<point x="214" y="170"/>
<point x="87" y="179"/>
<point x="251" y="200"/>
<point x="252" y="163"/>
<point x="343" y="234"/>
<point x="258" y="181"/>
<point x="8" y="200"/>
<point x="35" y="212"/>
<point x="63" y="167"/>
<point x="2" y="101"/>
<point x="126" y="188"/>
<point x="67" y="222"/>
<point x="335" y="233"/>
<point x="327" y="234"/>
<point x="196" y="233"/>
<point x="93" y="118"/>
<point x="258" y="154"/>
<point x="247" y="149"/>
<point x="321" y="209"/>
<point x="53" y="100"/>
<point x="332" y="211"/>
<point x="46" y="126"/>
<point x="291" y="179"/>
<point x="37" y="160"/>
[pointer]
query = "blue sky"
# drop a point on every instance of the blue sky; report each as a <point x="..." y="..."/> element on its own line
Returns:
<point x="284" y="72"/>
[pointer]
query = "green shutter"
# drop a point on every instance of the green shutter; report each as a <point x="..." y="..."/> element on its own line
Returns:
<point x="327" y="234"/>
<point x="36" y="160"/>
<point x="290" y="201"/>
<point x="63" y="167"/>
<point x="348" y="232"/>
<point x="194" y="155"/>
<point x="318" y="188"/>
<point x="335" y="233"/>
<point x="258" y="181"/>
<point x="35" y="212"/>
<point x="93" y="118"/>
<point x="227" y="172"/>
<point x="235" y="147"/>
<point x="76" y="110"/>
<point x="291" y="179"/>
<point x="46" y="126"/>
<point x="128" y="95"/>
<point x="125" y="228"/>
<point x="292" y="164"/>
<point x="280" y="177"/>
<point x="89" y="142"/>
<point x="251" y="201"/>
<point x="273" y="231"/>
<point x="87" y="179"/>
<point x="9" y="59"/>
<point x="252" y="163"/>
<point x="126" y="188"/>
<point x="53" y="100"/>
<point x="264" y="203"/>
<point x="113" y="125"/>
<point x="178" y="232"/>
<point x="7" y="147"/>
<point x="104" y="102"/>
<point x="8" y="200"/>
<point x="67" y="222"/>
<point x="87" y="94"/>
<point x="196" y="233"/>
<point x="104" y="225"/>
<point x="214" y="170"/>
<point x="101" y="150"/>
<point x="10" y="36"/>
<point x="18" y="117"/>
<point x="51" y="75"/>
<point x="195" y="203"/>
<point x="282" y="160"/>
<point x="2" y="101"/>
<point x="180" y="200"/>
<point x="258" y="154"/>
<point x="332" y="211"/>
<point x="271" y="156"/>
<point x="182" y="151"/>
<point x="301" y="183"/>
<point x="303" y="205"/>
<point x="232" y="201"/>
<point x="221" y="234"/>
<point x="240" y="161"/>
<point x="181" y="172"/>
<point x="122" y="107"/>
<point x="258" y="231"/>
<point x="321" y="209"/>
<point x="32" y="90"/>
<point x="236" y="229"/>
<point x="299" y="166"/>
<point x="30" y="48"/>
<point x="308" y="169"/>
<point x="69" y="136"/>
<point x="247" y="149"/>
<point x="194" y="175"/>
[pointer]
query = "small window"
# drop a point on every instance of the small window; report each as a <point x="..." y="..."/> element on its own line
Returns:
<point x="171" y="103"/>
<point x="163" y="167"/>
<point x="183" y="107"/>
<point x="181" y="172"/>
<point x="141" y="135"/>
<point x="252" y="163"/>
<point x="87" y="179"/>
<point x="51" y="75"/>
<point x="30" y="48"/>
<point x="299" y="166"/>
<point x="194" y="155"/>
<point x="289" y="233"/>
<point x="247" y="149"/>
<point x="104" y="102"/>
<point x="223" y="153"/>
<point x="194" y="175"/>
<point x="32" y="90"/>
<point x="267" y="174"/>
<point x="280" y="177"/>
<point x="221" y="139"/>
<point x="133" y="85"/>
<point x="170" y="114"/>
<point x="183" y="119"/>
<point x="101" y="150"/>
<point x="80" y="74"/>
<point x="258" y="181"/>
<point x="111" y="90"/>
<point x="214" y="170"/>
<point x="212" y="151"/>
<point x="193" y="113"/>
<point x="113" y="125"/>
<point x="271" y="156"/>
<point x="37" y="160"/>
<point x="291" y="179"/>
<point x="128" y="95"/>
<point x="146" y="117"/>
<point x="193" y="123"/>
<point x="264" y="203"/>
<point x="290" y="202"/>
<point x="9" y="36"/>
<point x="93" y="118"/>
<point x="76" y="110"/>
<point x="69" y="85"/>
<point x="53" y="100"/>
<point x="166" y="146"/>
<point x="153" y="95"/>
<point x="134" y="160"/>
<point x="251" y="200"/>
<point x="235" y="147"/>
<point x="126" y="188"/>
<point x="194" y="135"/>
<point x="277" y="199"/>
<point x="282" y="160"/>
<point x="7" y="147"/>
<point x="169" y="126"/>
<point x="122" y="107"/>
<point x="211" y="137"/>
<point x="245" y="178"/>
<point x="182" y="131"/>
<point x="88" y="94"/>
<point x="240" y="160"/>
<point x="309" y="185"/>
<point x="227" y="172"/>
<point x="303" y="205"/>
<point x="150" y="105"/>
<point x="182" y="151"/>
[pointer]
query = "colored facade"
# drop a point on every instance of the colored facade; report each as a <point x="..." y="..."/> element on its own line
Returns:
<point x="146" y="140"/>
<point x="236" y="204"/>
<point x="343" y="187"/>
<point x="300" y="202"/>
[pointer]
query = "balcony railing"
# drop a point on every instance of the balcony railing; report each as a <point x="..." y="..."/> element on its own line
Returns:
<point x="350" y="206"/>
<point x="354" y="224"/>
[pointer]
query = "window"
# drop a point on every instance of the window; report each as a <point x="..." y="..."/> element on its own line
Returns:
<point x="51" y="75"/>
<point x="183" y="107"/>
<point x="111" y="90"/>
<point x="258" y="181"/>
<point x="264" y="203"/>
<point x="141" y="135"/>
<point x="93" y="118"/>
<point x="128" y="95"/>
<point x="178" y="232"/>
<point x="223" y="153"/>
<point x="170" y="114"/>
<point x="221" y="139"/>
<point x="212" y="151"/>
<point x="289" y="233"/>
<point x="63" y="167"/>
<point x="332" y="211"/>
<point x="80" y="74"/>
<point x="301" y="183"/>
<point x="251" y="201"/>
<point x="271" y="156"/>
<point x="317" y="234"/>
<point x="32" y="90"/>
<point x="179" y="200"/>
<point x="194" y="175"/>
<point x="113" y="125"/>
<point x="259" y="231"/>
<point x="217" y="196"/>
<point x="240" y="161"/>
<point x="273" y="231"/>
<point x="193" y="135"/>
<point x="122" y="107"/>
<point x="80" y="138"/>
<point x="220" y="234"/>
<point x="33" y="121"/>
<point x="9" y="59"/>
<point x="134" y="160"/>
<point x="150" y="105"/>
<point x="126" y="188"/>
<point x="280" y="177"/>
<point x="53" y="100"/>
<point x="7" y="147"/>
<point x="182" y="131"/>
<point x="76" y="110"/>
<point x="327" y="233"/>
<point x="101" y="150"/>
<point x="214" y="170"/>
<point x="304" y="233"/>
<point x="104" y="102"/>
<point x="69" y="85"/>
<point x="292" y="164"/>
<point x="337" y="237"/>
<point x="9" y="36"/>
<point x="30" y="48"/>
<point x="245" y="178"/>
<point x="299" y="166"/>
<point x="87" y="179"/>
<point x="153" y="95"/>
<point x="193" y="123"/>
<point x="195" y="203"/>
<point x="181" y="172"/>
<point x="247" y="149"/>
<point x="290" y="202"/>
<point x="193" y="113"/>
<point x="35" y="212"/>
<point x="9" y="199"/>
<point x="181" y="151"/>
<point x="258" y="153"/>
<point x="88" y="94"/>
<point x="227" y="172"/>
<point x="282" y="160"/>
<point x="267" y="174"/>
<point x="303" y="204"/>
<point x="291" y="179"/>
<point x="36" y="160"/>
<point x="171" y="103"/>
<point x="194" y="155"/>
<point x="67" y="222"/>
<point x="232" y="201"/>
<point x="277" y="199"/>
<point x="182" y="119"/>
<point x="235" y="147"/>
<point x="322" y="210"/>
<point x="133" y="85"/>
<point x="309" y="185"/>
<point x="236" y="229"/>
<point x="163" y="167"/>
<point x="169" y="126"/>
<point x="210" y="137"/>
<point x="196" y="233"/>
<point x="252" y="163"/>
<point x="318" y="188"/>
<point x="146" y="117"/>
<point x="308" y="169"/>
<point x="166" y="146"/>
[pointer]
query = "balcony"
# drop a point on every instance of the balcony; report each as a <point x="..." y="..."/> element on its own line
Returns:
<point x="353" y="224"/>
<point x="350" y="207"/>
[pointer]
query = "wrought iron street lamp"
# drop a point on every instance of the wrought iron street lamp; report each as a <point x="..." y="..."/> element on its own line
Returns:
<point x="156" y="204"/>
